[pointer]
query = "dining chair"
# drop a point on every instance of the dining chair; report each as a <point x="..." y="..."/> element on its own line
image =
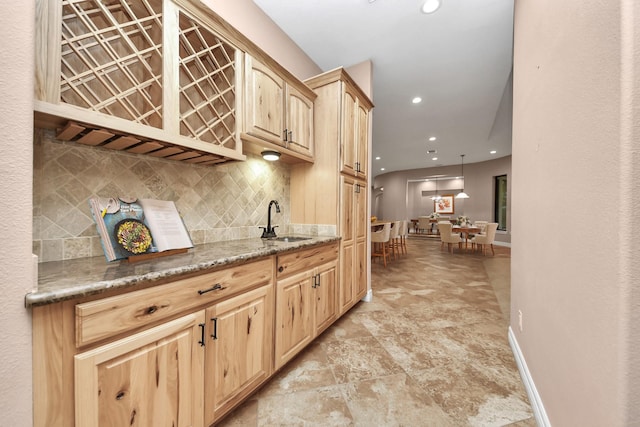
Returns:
<point x="486" y="239"/>
<point x="393" y="238"/>
<point x="404" y="233"/>
<point x="482" y="225"/>
<point x="380" y="240"/>
<point x="423" y="224"/>
<point x="446" y="236"/>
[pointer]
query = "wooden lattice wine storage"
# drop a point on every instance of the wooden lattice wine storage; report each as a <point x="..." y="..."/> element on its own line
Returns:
<point x="207" y="84"/>
<point x="147" y="70"/>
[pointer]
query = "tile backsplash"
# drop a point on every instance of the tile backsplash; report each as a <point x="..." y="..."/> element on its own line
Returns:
<point x="223" y="202"/>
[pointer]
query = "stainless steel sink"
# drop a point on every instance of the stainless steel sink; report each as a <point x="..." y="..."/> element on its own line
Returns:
<point x="291" y="238"/>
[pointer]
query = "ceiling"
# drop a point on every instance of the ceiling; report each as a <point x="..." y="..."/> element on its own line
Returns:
<point x="458" y="60"/>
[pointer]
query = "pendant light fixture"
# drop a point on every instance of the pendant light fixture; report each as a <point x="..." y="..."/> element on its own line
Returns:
<point x="436" y="197"/>
<point x="462" y="194"/>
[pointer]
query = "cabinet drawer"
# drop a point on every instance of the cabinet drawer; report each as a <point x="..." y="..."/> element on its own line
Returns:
<point x="305" y="259"/>
<point x="106" y="317"/>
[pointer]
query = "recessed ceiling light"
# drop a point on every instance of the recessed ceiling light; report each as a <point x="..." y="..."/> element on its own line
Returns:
<point x="378" y="158"/>
<point x="416" y="100"/>
<point x="381" y="169"/>
<point x="433" y="138"/>
<point x="493" y="152"/>
<point x="430" y="6"/>
<point x="434" y="158"/>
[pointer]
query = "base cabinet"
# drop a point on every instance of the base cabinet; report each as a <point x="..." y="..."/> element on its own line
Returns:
<point x="150" y="379"/>
<point x="306" y="306"/>
<point x="175" y="360"/>
<point x="239" y="339"/>
<point x="306" y="302"/>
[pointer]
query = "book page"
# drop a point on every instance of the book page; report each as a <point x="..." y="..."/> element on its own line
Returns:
<point x="165" y="223"/>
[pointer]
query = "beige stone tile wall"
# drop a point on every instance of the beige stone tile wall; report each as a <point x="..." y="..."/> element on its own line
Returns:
<point x="223" y="202"/>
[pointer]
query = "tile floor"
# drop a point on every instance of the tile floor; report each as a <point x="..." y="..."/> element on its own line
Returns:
<point x="431" y="349"/>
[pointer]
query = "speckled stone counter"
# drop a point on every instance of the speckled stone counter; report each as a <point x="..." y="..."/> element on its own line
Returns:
<point x="63" y="280"/>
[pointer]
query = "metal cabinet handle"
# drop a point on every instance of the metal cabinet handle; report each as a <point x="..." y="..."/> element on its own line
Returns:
<point x="285" y="135"/>
<point x="215" y="287"/>
<point x="201" y="342"/>
<point x="214" y="336"/>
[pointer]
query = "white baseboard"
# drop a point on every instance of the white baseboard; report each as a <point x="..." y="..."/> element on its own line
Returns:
<point x="368" y="296"/>
<point x="536" y="402"/>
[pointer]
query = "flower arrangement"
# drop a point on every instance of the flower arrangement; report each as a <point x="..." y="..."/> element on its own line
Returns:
<point x="434" y="215"/>
<point x="463" y="221"/>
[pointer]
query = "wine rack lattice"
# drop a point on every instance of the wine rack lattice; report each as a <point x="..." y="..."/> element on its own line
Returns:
<point x="207" y="85"/>
<point x="111" y="58"/>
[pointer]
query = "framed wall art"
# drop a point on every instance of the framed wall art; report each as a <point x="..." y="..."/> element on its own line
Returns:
<point x="444" y="206"/>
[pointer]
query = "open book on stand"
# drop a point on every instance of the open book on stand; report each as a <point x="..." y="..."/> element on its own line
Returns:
<point x="130" y="228"/>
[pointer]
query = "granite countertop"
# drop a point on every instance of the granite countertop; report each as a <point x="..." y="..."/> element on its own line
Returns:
<point x="63" y="280"/>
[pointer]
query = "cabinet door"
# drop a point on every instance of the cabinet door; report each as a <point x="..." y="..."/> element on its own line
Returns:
<point x="349" y="132"/>
<point x="362" y="227"/>
<point x="238" y="349"/>
<point x="299" y="122"/>
<point x="347" y="245"/>
<point x="325" y="295"/>
<point x="362" y="161"/>
<point x="153" y="378"/>
<point x="264" y="111"/>
<point x="294" y="329"/>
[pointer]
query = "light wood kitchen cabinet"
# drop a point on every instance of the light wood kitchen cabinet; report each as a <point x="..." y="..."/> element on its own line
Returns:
<point x="353" y="254"/>
<point x="154" y="77"/>
<point x="153" y="378"/>
<point x="334" y="190"/>
<point x="148" y="356"/>
<point x="306" y="300"/>
<point x="355" y="133"/>
<point x="239" y="343"/>
<point x="277" y="111"/>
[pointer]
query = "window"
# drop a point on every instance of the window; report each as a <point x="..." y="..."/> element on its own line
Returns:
<point x="500" y="200"/>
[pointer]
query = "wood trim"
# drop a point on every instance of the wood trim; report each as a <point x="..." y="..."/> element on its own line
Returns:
<point x="339" y="74"/>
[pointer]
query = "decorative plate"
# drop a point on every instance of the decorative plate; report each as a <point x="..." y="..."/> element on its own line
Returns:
<point x="133" y="235"/>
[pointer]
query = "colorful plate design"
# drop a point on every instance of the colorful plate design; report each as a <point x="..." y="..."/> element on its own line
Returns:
<point x="133" y="235"/>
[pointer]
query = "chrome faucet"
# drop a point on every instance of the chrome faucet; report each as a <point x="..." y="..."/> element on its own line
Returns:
<point x="270" y="232"/>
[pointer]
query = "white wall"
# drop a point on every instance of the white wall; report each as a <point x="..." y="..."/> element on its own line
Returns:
<point x="576" y="210"/>
<point x="16" y="266"/>
<point x="251" y="21"/>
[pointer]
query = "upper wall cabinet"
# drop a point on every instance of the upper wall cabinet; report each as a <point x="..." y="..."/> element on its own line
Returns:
<point x="278" y="113"/>
<point x="355" y="131"/>
<point x="146" y="77"/>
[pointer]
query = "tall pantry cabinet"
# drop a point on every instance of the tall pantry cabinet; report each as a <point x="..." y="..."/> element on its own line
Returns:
<point x="334" y="190"/>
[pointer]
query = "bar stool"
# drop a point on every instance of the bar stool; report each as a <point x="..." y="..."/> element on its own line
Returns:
<point x="380" y="240"/>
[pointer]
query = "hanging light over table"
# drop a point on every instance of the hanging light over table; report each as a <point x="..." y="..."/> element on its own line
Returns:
<point x="462" y="194"/>
<point x="436" y="197"/>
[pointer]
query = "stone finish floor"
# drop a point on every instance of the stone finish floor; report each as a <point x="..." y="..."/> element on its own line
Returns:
<point x="431" y="349"/>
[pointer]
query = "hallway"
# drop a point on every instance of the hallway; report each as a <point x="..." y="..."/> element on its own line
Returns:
<point x="431" y="349"/>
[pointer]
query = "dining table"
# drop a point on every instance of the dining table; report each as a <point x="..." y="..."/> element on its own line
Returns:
<point x="466" y="231"/>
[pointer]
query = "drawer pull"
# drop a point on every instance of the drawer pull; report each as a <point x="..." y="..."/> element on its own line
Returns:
<point x="213" y="288"/>
<point x="151" y="309"/>
<point x="280" y="269"/>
